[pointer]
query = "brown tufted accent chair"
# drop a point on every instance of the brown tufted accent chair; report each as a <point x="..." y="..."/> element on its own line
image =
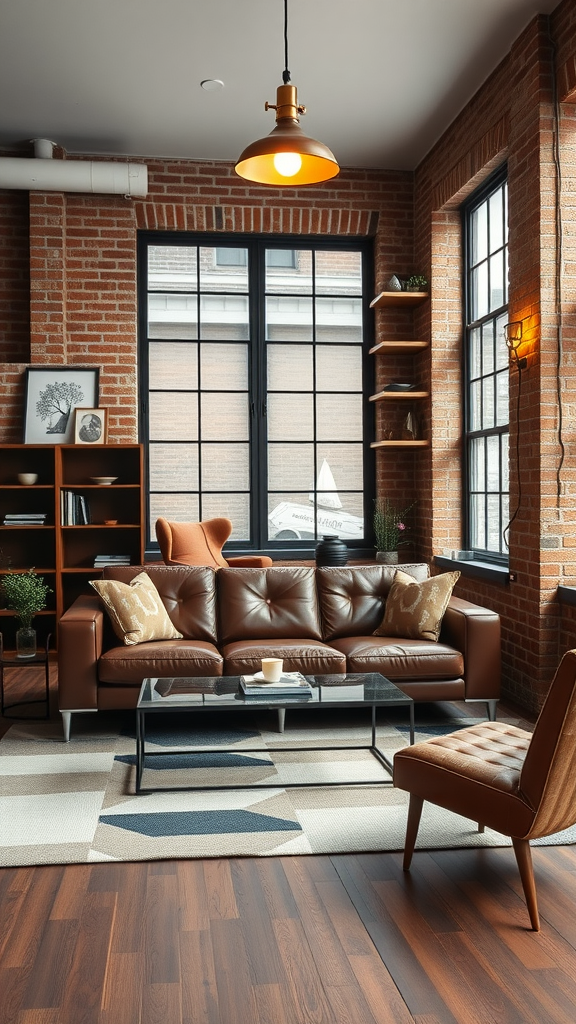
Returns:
<point x="518" y="783"/>
<point x="201" y="544"/>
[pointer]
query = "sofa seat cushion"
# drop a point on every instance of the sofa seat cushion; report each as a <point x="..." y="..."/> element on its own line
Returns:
<point x="308" y="656"/>
<point x="123" y="665"/>
<point x="401" y="659"/>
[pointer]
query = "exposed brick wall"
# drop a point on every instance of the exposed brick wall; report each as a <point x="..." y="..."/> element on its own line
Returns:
<point x="510" y="117"/>
<point x="82" y="297"/>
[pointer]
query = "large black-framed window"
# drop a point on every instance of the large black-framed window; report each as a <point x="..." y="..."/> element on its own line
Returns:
<point x="485" y="218"/>
<point x="254" y="385"/>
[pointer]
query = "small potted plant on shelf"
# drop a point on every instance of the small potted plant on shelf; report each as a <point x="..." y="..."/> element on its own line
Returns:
<point x="390" y="528"/>
<point x="416" y="283"/>
<point x="25" y="594"/>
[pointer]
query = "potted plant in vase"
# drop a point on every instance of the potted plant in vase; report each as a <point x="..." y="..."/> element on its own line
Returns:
<point x="25" y="594"/>
<point x="389" y="529"/>
<point x="416" y="283"/>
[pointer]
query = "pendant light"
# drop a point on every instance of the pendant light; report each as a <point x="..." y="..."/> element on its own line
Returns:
<point x="287" y="158"/>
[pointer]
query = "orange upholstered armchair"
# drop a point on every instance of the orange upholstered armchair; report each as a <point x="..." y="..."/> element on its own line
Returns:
<point x="201" y="544"/>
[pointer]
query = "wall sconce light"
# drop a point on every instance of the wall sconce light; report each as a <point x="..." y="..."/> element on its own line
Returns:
<point x="287" y="158"/>
<point x="513" y="336"/>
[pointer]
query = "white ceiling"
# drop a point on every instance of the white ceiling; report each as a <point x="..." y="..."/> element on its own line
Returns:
<point x="381" y="79"/>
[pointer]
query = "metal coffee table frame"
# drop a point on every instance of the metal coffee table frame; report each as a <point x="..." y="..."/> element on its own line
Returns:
<point x="223" y="693"/>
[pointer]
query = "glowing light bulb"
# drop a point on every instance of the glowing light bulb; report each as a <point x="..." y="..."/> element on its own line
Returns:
<point x="287" y="164"/>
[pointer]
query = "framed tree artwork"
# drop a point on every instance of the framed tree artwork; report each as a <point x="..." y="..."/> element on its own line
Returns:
<point x="51" y="396"/>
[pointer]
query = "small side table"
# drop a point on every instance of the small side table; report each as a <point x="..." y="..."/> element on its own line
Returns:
<point x="8" y="659"/>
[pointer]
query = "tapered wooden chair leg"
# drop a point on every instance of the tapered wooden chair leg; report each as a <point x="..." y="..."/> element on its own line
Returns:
<point x="526" y="869"/>
<point x="414" y="815"/>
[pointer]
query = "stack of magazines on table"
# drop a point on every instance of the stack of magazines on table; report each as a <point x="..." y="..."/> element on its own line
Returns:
<point x="290" y="684"/>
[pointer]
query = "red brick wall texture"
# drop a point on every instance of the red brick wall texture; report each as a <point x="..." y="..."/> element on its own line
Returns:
<point x="68" y="295"/>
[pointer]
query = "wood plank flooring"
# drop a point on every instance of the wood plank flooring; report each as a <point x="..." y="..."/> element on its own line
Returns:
<point x="290" y="940"/>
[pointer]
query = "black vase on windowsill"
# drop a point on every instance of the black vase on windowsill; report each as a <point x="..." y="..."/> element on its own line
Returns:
<point x="331" y="551"/>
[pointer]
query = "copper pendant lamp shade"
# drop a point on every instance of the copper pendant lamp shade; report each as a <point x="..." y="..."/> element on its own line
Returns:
<point x="287" y="157"/>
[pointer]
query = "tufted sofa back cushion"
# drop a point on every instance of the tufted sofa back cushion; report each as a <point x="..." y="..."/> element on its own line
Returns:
<point x="352" y="598"/>
<point x="267" y="604"/>
<point x="188" y="593"/>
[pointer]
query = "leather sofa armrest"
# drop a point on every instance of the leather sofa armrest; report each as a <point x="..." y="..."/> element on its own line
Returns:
<point x="80" y="644"/>
<point x="475" y="632"/>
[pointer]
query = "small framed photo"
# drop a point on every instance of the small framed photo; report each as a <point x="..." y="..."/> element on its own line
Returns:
<point x="90" y="426"/>
<point x="51" y="396"/>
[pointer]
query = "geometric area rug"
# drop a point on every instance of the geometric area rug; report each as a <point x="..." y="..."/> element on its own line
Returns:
<point x="66" y="803"/>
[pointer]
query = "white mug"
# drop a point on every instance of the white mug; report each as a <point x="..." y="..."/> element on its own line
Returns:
<point x="272" y="669"/>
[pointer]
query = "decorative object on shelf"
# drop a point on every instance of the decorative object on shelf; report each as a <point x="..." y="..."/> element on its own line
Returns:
<point x="27" y="478"/>
<point x="103" y="481"/>
<point x="331" y="551"/>
<point x="410" y="428"/>
<point x="395" y="284"/>
<point x="416" y="283"/>
<point x="90" y="425"/>
<point x="396" y="386"/>
<point x="287" y="158"/>
<point x="25" y="594"/>
<point x="52" y="394"/>
<point x="389" y="529"/>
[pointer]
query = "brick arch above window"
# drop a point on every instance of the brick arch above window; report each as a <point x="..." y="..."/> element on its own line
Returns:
<point x="281" y="219"/>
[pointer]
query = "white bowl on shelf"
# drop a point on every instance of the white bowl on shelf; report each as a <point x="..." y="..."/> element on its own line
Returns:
<point x="102" y="480"/>
<point x="27" y="478"/>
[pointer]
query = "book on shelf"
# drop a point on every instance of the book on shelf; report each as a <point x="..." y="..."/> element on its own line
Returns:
<point x="25" y="519"/>
<point x="74" y="509"/>
<point x="290" y="684"/>
<point x="102" y="560"/>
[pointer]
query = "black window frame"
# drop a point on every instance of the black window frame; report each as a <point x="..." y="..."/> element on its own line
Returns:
<point x="474" y="201"/>
<point x="257" y="244"/>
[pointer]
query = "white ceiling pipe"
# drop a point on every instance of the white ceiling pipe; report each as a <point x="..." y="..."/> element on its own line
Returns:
<point x="43" y="174"/>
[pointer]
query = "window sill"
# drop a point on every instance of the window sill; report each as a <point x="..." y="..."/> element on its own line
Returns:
<point x="475" y="569"/>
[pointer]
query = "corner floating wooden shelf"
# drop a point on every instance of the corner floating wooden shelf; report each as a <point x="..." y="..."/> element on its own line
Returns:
<point x="398" y="299"/>
<point x="400" y="444"/>
<point x="394" y="395"/>
<point x="383" y="347"/>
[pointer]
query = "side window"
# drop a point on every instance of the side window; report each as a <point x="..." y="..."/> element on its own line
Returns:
<point x="487" y="369"/>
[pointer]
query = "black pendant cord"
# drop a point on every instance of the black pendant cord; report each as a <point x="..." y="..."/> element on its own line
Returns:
<point x="285" y="73"/>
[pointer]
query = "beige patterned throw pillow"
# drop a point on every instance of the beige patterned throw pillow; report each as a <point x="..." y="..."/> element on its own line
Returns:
<point x="136" y="610"/>
<point x="415" y="610"/>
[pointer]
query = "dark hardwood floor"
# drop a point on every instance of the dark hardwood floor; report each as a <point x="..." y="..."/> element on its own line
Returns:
<point x="289" y="940"/>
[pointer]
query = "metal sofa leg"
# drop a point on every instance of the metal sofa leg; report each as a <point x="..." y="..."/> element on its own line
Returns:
<point x="491" y="709"/>
<point x="281" y="717"/>
<point x="66" y="723"/>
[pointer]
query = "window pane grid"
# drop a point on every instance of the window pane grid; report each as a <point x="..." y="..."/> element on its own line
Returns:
<point x="217" y="395"/>
<point x="487" y="371"/>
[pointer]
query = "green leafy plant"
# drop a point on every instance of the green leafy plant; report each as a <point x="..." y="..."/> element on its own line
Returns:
<point x="25" y="594"/>
<point x="417" y="281"/>
<point x="390" y="525"/>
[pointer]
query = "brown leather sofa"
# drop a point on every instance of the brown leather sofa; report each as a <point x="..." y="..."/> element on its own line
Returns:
<point x="318" y="620"/>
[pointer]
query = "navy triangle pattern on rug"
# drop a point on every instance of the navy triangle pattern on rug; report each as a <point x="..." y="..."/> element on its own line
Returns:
<point x="198" y="823"/>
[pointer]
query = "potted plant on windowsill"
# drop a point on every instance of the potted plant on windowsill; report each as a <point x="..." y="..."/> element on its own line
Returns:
<point x="390" y="528"/>
<point x="25" y="594"/>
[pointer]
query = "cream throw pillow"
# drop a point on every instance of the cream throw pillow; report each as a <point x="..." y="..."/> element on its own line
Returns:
<point x="415" y="610"/>
<point x="136" y="610"/>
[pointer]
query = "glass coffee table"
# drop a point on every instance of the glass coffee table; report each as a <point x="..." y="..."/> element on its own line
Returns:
<point x="196" y="695"/>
